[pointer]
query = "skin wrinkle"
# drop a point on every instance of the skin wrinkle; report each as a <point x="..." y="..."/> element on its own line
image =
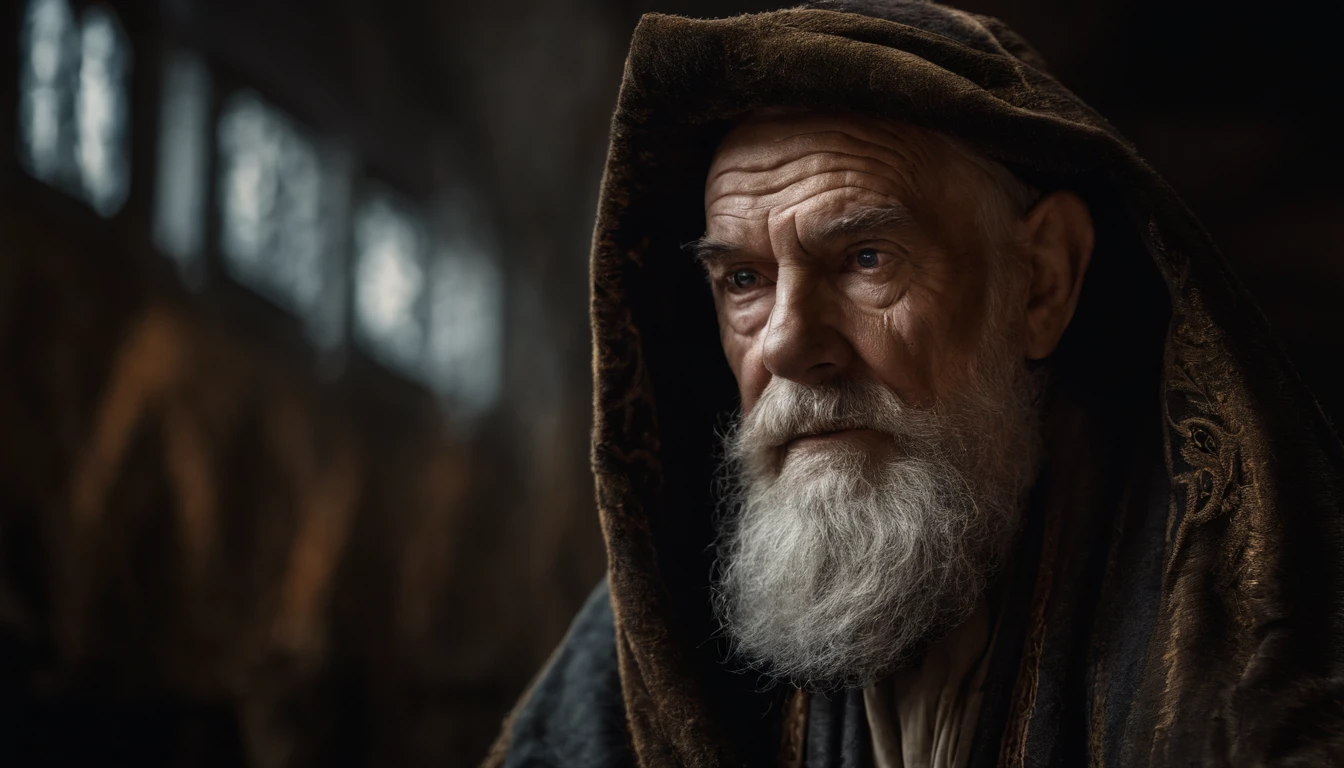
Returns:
<point x="899" y="190"/>
<point x="908" y="156"/>
<point x="804" y="166"/>
<point x="867" y="220"/>
<point x="878" y="325"/>
<point x="818" y="174"/>
<point x="819" y="179"/>
<point x="784" y="145"/>
<point x="769" y="202"/>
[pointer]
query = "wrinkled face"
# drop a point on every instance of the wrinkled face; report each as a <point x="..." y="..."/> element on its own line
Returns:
<point x="843" y="247"/>
<point x="878" y="329"/>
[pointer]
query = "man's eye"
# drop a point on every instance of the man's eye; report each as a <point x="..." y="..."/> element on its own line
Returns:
<point x="867" y="258"/>
<point x="743" y="279"/>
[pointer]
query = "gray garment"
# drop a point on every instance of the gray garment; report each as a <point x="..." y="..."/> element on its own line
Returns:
<point x="837" y="731"/>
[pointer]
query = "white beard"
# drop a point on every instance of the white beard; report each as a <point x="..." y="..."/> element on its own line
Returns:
<point x="840" y="564"/>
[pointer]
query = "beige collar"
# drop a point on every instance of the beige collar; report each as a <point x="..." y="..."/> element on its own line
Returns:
<point x="924" y="716"/>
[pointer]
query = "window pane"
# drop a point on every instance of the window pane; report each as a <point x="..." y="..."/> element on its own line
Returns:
<point x="466" y="337"/>
<point x="50" y="54"/>
<point x="102" y="111"/>
<point x="277" y="231"/>
<point x="390" y="288"/>
<point x="179" y="197"/>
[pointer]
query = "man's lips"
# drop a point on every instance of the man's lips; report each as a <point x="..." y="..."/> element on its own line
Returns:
<point x="816" y="438"/>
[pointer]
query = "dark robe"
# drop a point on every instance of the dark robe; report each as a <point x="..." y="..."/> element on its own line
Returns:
<point x="1176" y="598"/>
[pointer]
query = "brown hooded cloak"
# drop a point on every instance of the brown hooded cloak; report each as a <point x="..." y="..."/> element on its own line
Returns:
<point x="1178" y="594"/>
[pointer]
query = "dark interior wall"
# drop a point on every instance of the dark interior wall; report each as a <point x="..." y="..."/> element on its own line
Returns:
<point x="217" y="550"/>
<point x="1230" y="103"/>
<point x="220" y="544"/>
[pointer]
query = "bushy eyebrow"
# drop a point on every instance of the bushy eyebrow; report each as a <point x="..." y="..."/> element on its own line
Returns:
<point x="867" y="219"/>
<point x="709" y="251"/>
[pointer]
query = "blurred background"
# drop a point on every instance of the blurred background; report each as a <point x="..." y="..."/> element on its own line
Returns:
<point x="294" y="368"/>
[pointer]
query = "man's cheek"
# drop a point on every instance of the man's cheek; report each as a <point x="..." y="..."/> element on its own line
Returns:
<point x="733" y="348"/>
<point x="751" y="374"/>
<point x="900" y="350"/>
<point x="746" y="318"/>
<point x="739" y="330"/>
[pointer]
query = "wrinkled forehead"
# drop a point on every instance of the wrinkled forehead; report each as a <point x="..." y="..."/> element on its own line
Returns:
<point x="821" y="165"/>
<point x="763" y="148"/>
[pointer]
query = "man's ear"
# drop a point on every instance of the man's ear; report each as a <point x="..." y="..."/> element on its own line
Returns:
<point x="1056" y="239"/>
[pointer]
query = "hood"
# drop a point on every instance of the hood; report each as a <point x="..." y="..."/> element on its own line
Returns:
<point x="1180" y="576"/>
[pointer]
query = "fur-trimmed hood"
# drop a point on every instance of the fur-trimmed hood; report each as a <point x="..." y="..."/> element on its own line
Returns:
<point x="1181" y="577"/>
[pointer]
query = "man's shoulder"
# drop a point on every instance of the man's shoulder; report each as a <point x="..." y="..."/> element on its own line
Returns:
<point x="574" y="713"/>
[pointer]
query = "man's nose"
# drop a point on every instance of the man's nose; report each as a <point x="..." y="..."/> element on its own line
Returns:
<point x="802" y="343"/>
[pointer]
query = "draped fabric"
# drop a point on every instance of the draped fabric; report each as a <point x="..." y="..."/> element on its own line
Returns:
<point x="1178" y="600"/>
<point x="924" y="716"/>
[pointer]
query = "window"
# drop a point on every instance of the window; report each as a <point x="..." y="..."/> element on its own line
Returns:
<point x="102" y="108"/>
<point x="466" y="338"/>
<point x="50" y="55"/>
<point x="431" y="311"/>
<point x="179" y="196"/>
<point x="74" y="102"/>
<point x="390" y="282"/>
<point x="427" y="299"/>
<point x="277" y="211"/>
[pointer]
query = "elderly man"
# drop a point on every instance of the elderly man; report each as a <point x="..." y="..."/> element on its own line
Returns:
<point x="1016" y="476"/>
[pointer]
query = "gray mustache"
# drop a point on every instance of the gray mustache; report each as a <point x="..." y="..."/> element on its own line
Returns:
<point x="787" y="411"/>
